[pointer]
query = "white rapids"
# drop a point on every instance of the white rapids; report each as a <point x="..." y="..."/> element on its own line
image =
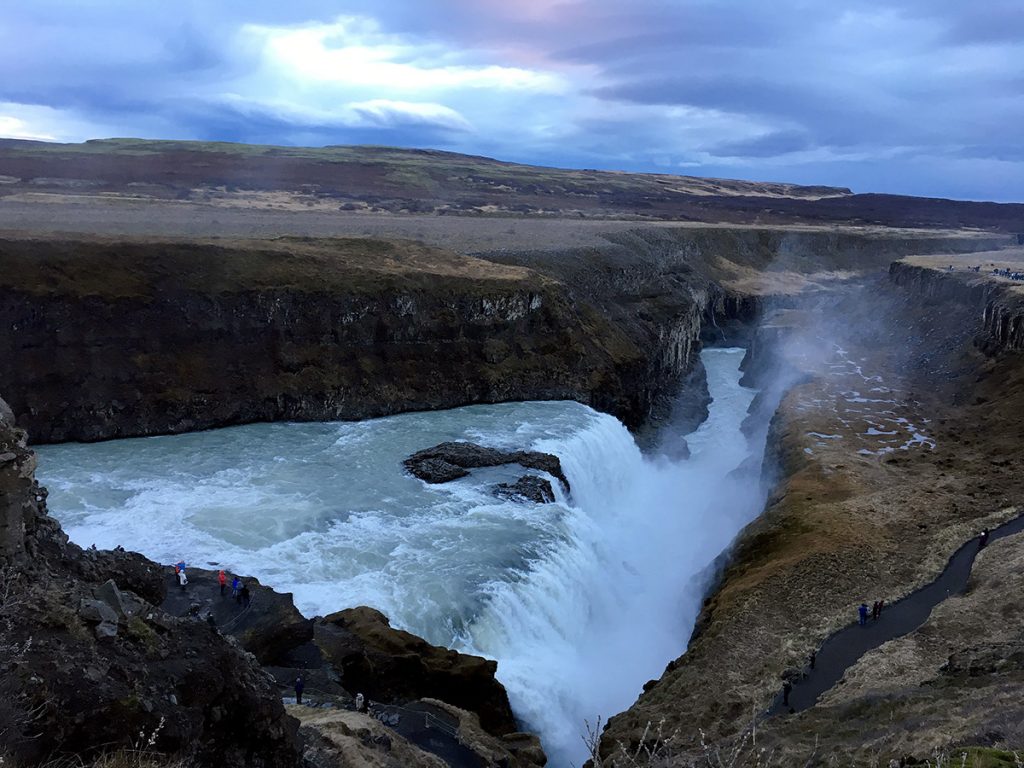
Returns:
<point x="580" y="601"/>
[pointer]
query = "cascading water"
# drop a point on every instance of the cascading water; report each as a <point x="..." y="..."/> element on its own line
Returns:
<point x="589" y="623"/>
<point x="580" y="601"/>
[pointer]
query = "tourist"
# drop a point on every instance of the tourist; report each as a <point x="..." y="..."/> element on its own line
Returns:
<point x="182" y="578"/>
<point x="246" y="596"/>
<point x="211" y="621"/>
<point x="787" y="688"/>
<point x="236" y="584"/>
<point x="222" y="579"/>
<point x="983" y="539"/>
<point x="362" y="703"/>
<point x="863" y="611"/>
<point x="814" y="658"/>
<point x="300" y="686"/>
<point x="874" y="611"/>
<point x="881" y="605"/>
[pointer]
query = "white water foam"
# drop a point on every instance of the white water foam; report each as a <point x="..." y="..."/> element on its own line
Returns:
<point x="580" y="601"/>
<point x="580" y="632"/>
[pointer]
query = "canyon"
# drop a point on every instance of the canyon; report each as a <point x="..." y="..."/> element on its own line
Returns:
<point x="893" y="385"/>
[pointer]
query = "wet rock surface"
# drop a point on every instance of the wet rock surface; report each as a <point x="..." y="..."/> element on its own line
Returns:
<point x="528" y="488"/>
<point x="450" y="461"/>
<point x="392" y="666"/>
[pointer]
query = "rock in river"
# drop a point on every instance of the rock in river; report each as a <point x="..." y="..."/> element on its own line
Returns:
<point x="450" y="461"/>
<point x="529" y="487"/>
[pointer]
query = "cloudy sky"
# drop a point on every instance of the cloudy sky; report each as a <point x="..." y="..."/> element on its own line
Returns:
<point x="913" y="96"/>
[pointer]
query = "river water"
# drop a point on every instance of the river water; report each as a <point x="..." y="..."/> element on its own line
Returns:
<point x="581" y="601"/>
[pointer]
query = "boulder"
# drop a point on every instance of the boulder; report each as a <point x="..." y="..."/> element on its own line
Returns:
<point x="106" y="630"/>
<point x="528" y="487"/>
<point x="128" y="572"/>
<point x="390" y="665"/>
<point x="450" y="461"/>
<point x="97" y="611"/>
<point x="111" y="595"/>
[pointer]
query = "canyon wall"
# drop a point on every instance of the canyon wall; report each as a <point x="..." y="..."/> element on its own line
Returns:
<point x="121" y="339"/>
<point x="997" y="302"/>
<point x="892" y="448"/>
<point x="117" y="338"/>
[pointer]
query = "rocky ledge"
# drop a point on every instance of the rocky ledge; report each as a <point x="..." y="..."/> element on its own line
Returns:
<point x="529" y="488"/>
<point x="88" y="659"/>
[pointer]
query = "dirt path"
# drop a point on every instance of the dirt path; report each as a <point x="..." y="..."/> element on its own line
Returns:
<point x="843" y="649"/>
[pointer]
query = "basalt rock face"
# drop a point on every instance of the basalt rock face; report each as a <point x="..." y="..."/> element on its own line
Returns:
<point x="670" y="290"/>
<point x="392" y="666"/>
<point x="999" y="302"/>
<point x="450" y="461"/>
<point x="115" y="339"/>
<point x="88" y="662"/>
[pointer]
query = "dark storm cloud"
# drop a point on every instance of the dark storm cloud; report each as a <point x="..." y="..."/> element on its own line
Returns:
<point x="889" y="95"/>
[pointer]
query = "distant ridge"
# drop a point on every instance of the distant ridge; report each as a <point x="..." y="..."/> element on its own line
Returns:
<point x="394" y="180"/>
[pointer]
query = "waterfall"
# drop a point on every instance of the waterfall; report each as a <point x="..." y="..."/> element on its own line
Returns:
<point x="579" y="631"/>
<point x="580" y="601"/>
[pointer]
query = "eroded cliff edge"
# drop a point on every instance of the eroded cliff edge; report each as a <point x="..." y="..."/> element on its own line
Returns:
<point x="898" y="445"/>
<point x="113" y="337"/>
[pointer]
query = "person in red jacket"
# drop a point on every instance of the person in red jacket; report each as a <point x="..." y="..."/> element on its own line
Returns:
<point x="222" y="579"/>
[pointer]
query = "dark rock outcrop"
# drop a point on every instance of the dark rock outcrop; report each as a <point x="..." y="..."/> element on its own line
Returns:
<point x="268" y="628"/>
<point x="450" y="461"/>
<point x="393" y="666"/>
<point x="183" y="336"/>
<point x="529" y="487"/>
<point x="87" y="664"/>
<point x="1000" y="303"/>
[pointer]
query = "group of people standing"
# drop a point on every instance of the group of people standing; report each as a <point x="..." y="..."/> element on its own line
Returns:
<point x="240" y="591"/>
<point x="996" y="271"/>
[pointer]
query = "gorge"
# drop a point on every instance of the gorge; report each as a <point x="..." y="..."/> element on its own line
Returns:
<point x="882" y="389"/>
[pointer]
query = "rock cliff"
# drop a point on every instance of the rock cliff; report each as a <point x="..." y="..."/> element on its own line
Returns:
<point x="114" y="339"/>
<point x="89" y="661"/>
<point x="124" y="337"/>
<point x="998" y="301"/>
<point x="891" y="450"/>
